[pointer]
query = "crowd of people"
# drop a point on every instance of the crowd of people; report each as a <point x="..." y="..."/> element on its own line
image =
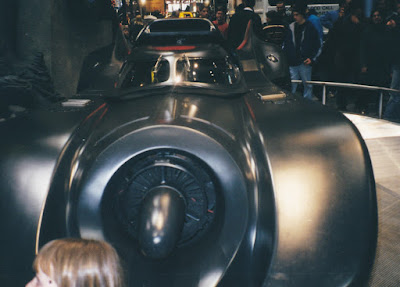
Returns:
<point x="363" y="51"/>
<point x="357" y="49"/>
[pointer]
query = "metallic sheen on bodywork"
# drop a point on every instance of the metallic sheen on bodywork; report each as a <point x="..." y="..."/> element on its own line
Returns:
<point x="289" y="184"/>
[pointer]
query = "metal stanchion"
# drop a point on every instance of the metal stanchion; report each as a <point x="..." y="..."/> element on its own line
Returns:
<point x="324" y="94"/>
<point x="380" y="104"/>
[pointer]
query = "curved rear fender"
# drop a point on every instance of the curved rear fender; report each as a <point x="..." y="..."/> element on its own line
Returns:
<point x="324" y="192"/>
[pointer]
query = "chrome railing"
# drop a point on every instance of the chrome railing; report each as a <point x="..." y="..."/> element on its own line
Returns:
<point x="351" y="86"/>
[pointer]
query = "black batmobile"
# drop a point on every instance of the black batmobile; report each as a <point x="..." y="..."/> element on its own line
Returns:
<point x="198" y="167"/>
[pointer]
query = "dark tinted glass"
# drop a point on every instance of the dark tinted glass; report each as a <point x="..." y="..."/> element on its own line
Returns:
<point x="188" y="25"/>
<point x="210" y="71"/>
<point x="146" y="73"/>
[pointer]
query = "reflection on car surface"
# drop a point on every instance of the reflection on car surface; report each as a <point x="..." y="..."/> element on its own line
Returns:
<point x="194" y="65"/>
<point x="197" y="157"/>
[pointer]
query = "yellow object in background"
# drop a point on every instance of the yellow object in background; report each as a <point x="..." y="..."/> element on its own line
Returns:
<point x="185" y="15"/>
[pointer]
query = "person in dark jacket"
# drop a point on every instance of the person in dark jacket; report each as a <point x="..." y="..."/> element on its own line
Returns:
<point x="281" y="10"/>
<point x="126" y="13"/>
<point x="329" y="18"/>
<point x="374" y="58"/>
<point x="238" y="24"/>
<point x="301" y="45"/>
<point x="392" y="111"/>
<point x="344" y="45"/>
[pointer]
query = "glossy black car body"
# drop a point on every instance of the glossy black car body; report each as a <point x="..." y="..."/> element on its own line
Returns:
<point x="218" y="179"/>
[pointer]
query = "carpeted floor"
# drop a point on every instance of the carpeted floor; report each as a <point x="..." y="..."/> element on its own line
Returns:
<point x="383" y="142"/>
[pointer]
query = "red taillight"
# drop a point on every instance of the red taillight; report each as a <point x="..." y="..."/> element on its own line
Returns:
<point x="173" y="48"/>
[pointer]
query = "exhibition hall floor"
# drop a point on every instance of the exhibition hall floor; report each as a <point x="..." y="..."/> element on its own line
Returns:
<point x="383" y="142"/>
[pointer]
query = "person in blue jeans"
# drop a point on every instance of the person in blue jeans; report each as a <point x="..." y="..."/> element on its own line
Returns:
<point x="301" y="46"/>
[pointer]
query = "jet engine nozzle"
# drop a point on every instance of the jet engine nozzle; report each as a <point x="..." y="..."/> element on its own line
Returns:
<point x="161" y="221"/>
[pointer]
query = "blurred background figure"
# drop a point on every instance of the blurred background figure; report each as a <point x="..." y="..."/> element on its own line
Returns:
<point x="204" y="11"/>
<point x="329" y="18"/>
<point x="374" y="59"/>
<point x="135" y="27"/>
<point x="314" y="19"/>
<point x="239" y="7"/>
<point x="387" y="7"/>
<point x="239" y="21"/>
<point x="126" y="13"/>
<point x="220" y="21"/>
<point x="174" y="14"/>
<point x="342" y="52"/>
<point x="325" y="65"/>
<point x="392" y="111"/>
<point x="273" y="17"/>
<point x="71" y="262"/>
<point x="281" y="9"/>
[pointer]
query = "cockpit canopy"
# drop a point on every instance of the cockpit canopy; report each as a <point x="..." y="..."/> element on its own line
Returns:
<point x="183" y="53"/>
<point x="204" y="65"/>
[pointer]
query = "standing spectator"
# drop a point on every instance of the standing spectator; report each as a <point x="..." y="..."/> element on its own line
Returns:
<point x="301" y="46"/>
<point x="204" y="11"/>
<point x="220" y="21"/>
<point x="392" y="12"/>
<point x="344" y="42"/>
<point x="329" y="18"/>
<point x="325" y="64"/>
<point x="126" y="13"/>
<point x="375" y="68"/>
<point x="238" y="24"/>
<point x="281" y="9"/>
<point x="114" y="20"/>
<point x="135" y="27"/>
<point x="239" y="7"/>
<point x="273" y="18"/>
<point x="392" y="111"/>
<point x="387" y="7"/>
<point x="314" y="19"/>
<point x="77" y="262"/>
<point x="174" y="14"/>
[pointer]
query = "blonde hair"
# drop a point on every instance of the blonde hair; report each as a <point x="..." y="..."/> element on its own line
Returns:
<point x="75" y="262"/>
